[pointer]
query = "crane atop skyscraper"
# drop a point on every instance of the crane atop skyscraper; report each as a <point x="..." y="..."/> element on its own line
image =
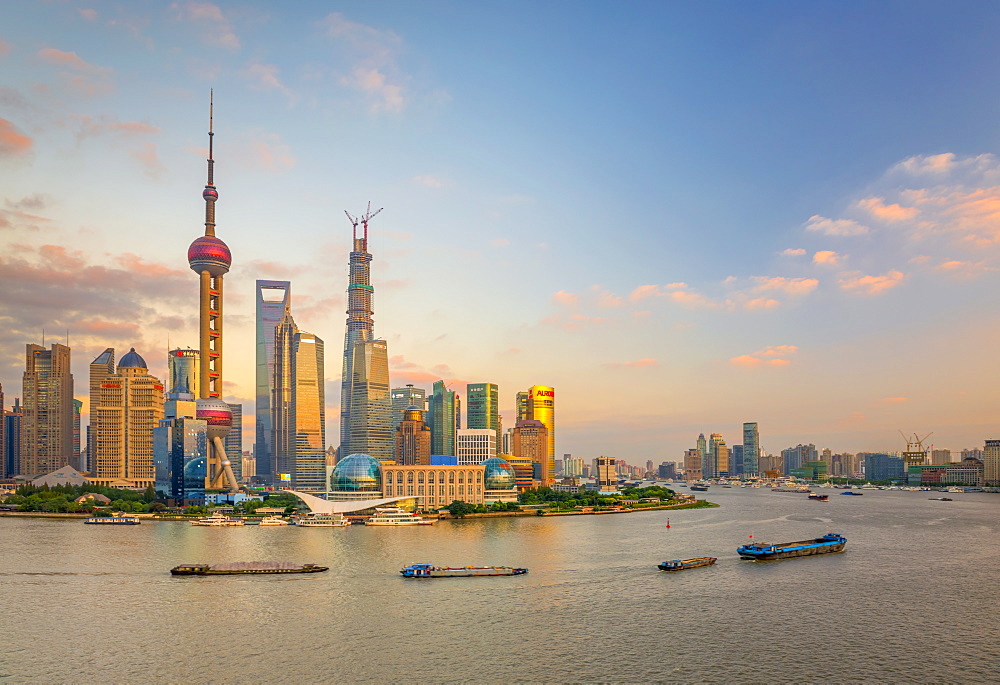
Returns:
<point x="916" y="444"/>
<point x="364" y="219"/>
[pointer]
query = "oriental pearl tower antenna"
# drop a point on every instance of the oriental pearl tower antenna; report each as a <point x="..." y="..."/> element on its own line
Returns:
<point x="210" y="258"/>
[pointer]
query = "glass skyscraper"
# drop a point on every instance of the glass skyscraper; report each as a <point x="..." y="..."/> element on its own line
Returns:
<point x="751" y="449"/>
<point x="483" y="408"/>
<point x="443" y="417"/>
<point x="365" y="410"/>
<point x="273" y="302"/>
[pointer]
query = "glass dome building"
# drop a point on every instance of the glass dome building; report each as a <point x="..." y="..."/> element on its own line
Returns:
<point x="499" y="474"/>
<point x="357" y="473"/>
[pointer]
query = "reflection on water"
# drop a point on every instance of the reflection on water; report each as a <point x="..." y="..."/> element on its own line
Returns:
<point x="592" y="608"/>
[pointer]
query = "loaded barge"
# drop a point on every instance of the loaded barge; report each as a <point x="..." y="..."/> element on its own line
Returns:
<point x="432" y="571"/>
<point x="245" y="567"/>
<point x="681" y="564"/>
<point x="831" y="542"/>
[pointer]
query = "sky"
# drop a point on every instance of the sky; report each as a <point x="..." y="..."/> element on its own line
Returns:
<point x="681" y="215"/>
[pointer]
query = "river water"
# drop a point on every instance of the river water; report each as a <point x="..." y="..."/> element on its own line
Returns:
<point x="913" y="599"/>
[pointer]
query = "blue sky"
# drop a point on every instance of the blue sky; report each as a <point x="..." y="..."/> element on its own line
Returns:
<point x="681" y="215"/>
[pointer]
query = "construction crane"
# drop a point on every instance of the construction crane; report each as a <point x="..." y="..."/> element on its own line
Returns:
<point x="917" y="443"/>
<point x="363" y="219"/>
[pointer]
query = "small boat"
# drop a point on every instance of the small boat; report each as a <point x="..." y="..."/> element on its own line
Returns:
<point x="831" y="542"/>
<point x="245" y="567"/>
<point x="315" y="520"/>
<point x="217" y="519"/>
<point x="273" y="521"/>
<point x="117" y="519"/>
<point x="700" y="487"/>
<point x="851" y="492"/>
<point x="819" y="498"/>
<point x="943" y="499"/>
<point x="432" y="571"/>
<point x="394" y="516"/>
<point x="682" y="564"/>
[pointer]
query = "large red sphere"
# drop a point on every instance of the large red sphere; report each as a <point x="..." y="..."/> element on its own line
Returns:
<point x="210" y="254"/>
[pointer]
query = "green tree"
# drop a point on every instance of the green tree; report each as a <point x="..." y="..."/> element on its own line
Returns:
<point x="459" y="509"/>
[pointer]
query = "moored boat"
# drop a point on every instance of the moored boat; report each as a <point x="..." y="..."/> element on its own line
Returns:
<point x="217" y="519"/>
<point x="851" y="492"/>
<point x="432" y="571"/>
<point x="819" y="498"/>
<point x="394" y="516"/>
<point x="831" y="542"/>
<point x="682" y="564"/>
<point x="114" y="520"/>
<point x="273" y="521"/>
<point x="316" y="520"/>
<point x="245" y="567"/>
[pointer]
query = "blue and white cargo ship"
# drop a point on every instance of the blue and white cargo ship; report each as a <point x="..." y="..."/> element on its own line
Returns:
<point x="831" y="542"/>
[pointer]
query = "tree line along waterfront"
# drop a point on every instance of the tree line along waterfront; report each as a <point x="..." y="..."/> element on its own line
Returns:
<point x="96" y="499"/>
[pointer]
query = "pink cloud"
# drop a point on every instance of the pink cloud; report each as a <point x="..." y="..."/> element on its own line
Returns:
<point x="88" y="126"/>
<point x="4" y="48"/>
<point x="775" y="350"/>
<point x="827" y="257"/>
<point x="692" y="300"/>
<point x="837" y="227"/>
<point x="746" y="360"/>
<point x="766" y="357"/>
<point x="892" y="400"/>
<point x="927" y="164"/>
<point x="268" y="152"/>
<point x="961" y="269"/>
<point x="398" y="362"/>
<point x="88" y="14"/>
<point x="792" y="252"/>
<point x="604" y="298"/>
<point x="644" y="291"/>
<point x="81" y="76"/>
<point x="889" y="213"/>
<point x="12" y="143"/>
<point x="265" y="77"/>
<point x="761" y="303"/>
<point x="789" y="286"/>
<point x="870" y="285"/>
<point x="569" y="300"/>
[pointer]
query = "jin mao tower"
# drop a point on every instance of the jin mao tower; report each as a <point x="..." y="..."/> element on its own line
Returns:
<point x="210" y="258"/>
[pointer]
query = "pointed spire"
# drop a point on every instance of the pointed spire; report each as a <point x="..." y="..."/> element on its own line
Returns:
<point x="210" y="193"/>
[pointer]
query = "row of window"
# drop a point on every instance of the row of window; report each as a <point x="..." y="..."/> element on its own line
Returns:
<point x="430" y="491"/>
<point x="462" y="475"/>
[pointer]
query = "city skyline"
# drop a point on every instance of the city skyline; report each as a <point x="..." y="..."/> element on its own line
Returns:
<point x="801" y="206"/>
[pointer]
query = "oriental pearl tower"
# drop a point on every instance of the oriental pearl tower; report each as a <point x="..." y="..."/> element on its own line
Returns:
<point x="209" y="257"/>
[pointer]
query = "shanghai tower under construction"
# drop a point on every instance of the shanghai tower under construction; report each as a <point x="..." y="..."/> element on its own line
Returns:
<point x="209" y="257"/>
<point x="365" y="407"/>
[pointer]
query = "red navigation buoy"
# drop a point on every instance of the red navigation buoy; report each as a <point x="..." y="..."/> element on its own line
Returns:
<point x="668" y="523"/>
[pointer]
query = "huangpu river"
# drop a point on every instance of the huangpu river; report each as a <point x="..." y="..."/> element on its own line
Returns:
<point x="913" y="599"/>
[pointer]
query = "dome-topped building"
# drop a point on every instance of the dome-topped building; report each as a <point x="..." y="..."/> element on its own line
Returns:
<point x="357" y="473"/>
<point x="132" y="360"/>
<point x="499" y="475"/>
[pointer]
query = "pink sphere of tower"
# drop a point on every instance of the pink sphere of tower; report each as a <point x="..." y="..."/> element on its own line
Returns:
<point x="210" y="194"/>
<point x="210" y="254"/>
<point x="217" y="415"/>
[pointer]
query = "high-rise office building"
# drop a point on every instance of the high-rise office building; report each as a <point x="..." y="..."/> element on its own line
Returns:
<point x="541" y="406"/>
<point x="530" y="439"/>
<point x="365" y="409"/>
<point x="125" y="407"/>
<point x="751" y="449"/>
<point x="718" y="458"/>
<point x="607" y="475"/>
<point x="180" y="446"/>
<point x="77" y="462"/>
<point x="795" y="457"/>
<point x="404" y="398"/>
<point x="483" y="407"/>
<point x="47" y="424"/>
<point x="702" y="446"/>
<point x="210" y="258"/>
<point x="413" y="439"/>
<point x="298" y="411"/>
<point x="184" y="364"/>
<point x="475" y="445"/>
<point x="444" y="417"/>
<point x="273" y="302"/>
<point x="939" y="457"/>
<point x="991" y="463"/>
<point x="233" y="441"/>
<point x="521" y="407"/>
<point x="11" y="465"/>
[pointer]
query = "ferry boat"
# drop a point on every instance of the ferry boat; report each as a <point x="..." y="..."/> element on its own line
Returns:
<point x="245" y="567"/>
<point x="114" y="520"/>
<point x="217" y="519"/>
<point x="682" y="564"/>
<point x="851" y="492"/>
<point x="432" y="571"/>
<point x="831" y="542"/>
<point x="273" y="521"/>
<point x="699" y="487"/>
<point x="315" y="520"/>
<point x="819" y="498"/>
<point x="394" y="516"/>
<point x="791" y="488"/>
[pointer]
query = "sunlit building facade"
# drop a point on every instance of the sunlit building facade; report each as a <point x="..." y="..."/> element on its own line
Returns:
<point x="540" y="405"/>
<point x="483" y="408"/>
<point x="402" y="399"/>
<point x="751" y="449"/>
<point x="273" y="301"/>
<point x="475" y="445"/>
<point x="47" y="410"/>
<point x="413" y="439"/>
<point x="444" y="417"/>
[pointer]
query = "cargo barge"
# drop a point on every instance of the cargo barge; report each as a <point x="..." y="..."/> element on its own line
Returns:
<point x="831" y="542"/>
<point x="682" y="564"/>
<point x="432" y="571"/>
<point x="819" y="498"/>
<point x="113" y="520"/>
<point x="245" y="567"/>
